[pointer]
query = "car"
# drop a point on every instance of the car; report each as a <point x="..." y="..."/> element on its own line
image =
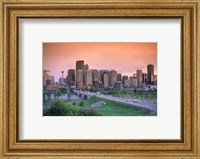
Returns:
<point x="127" y="100"/>
<point x="135" y="100"/>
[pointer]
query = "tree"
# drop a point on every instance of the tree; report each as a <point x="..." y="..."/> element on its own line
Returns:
<point x="57" y="109"/>
<point x="60" y="108"/>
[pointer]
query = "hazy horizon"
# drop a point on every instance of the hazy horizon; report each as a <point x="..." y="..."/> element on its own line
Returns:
<point x="125" y="57"/>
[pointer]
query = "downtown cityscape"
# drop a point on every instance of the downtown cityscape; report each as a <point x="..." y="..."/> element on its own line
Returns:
<point x="84" y="78"/>
<point x="85" y="91"/>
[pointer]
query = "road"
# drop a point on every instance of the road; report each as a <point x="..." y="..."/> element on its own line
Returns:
<point x="138" y="103"/>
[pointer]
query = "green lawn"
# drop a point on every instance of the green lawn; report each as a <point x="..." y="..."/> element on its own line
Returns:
<point x="139" y="95"/>
<point x="117" y="109"/>
<point x="112" y="108"/>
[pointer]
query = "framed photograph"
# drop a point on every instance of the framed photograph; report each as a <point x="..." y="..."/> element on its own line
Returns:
<point x="102" y="87"/>
<point x="99" y="79"/>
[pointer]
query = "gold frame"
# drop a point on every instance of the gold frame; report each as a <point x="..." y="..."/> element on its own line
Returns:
<point x="13" y="10"/>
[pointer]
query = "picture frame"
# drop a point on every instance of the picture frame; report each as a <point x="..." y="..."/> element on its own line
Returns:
<point x="12" y="11"/>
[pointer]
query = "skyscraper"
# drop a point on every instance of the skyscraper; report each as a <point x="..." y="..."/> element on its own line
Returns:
<point x="144" y="78"/>
<point x="105" y="80"/>
<point x="79" y="79"/>
<point x="139" y="77"/>
<point x="155" y="80"/>
<point x="47" y="76"/>
<point x="71" y="77"/>
<point x="85" y="68"/>
<point x="96" y="76"/>
<point x="79" y="65"/>
<point x="150" y="74"/>
<point x="89" y="78"/>
<point x="119" y="77"/>
<point x="113" y="77"/>
<point x="102" y="73"/>
<point x="124" y="78"/>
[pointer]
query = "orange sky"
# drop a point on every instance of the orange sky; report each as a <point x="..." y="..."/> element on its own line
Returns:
<point x="125" y="58"/>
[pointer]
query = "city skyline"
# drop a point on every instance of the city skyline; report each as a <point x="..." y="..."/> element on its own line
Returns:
<point x="125" y="58"/>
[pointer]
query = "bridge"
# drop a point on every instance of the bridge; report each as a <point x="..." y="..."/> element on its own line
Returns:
<point x="84" y="95"/>
<point x="140" y="103"/>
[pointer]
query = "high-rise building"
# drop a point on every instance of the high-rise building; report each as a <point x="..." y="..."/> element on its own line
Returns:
<point x="124" y="78"/>
<point x="119" y="77"/>
<point x="155" y="79"/>
<point x="102" y="72"/>
<point x="71" y="77"/>
<point x="139" y="77"/>
<point x="113" y="77"/>
<point x="134" y="81"/>
<point x="96" y="75"/>
<point x="79" y="79"/>
<point x="105" y="80"/>
<point x="79" y="65"/>
<point x="118" y="85"/>
<point x="97" y="83"/>
<point x="89" y="78"/>
<point x="144" y="78"/>
<point x="150" y="74"/>
<point x="47" y="76"/>
<point x="127" y="83"/>
<point x="85" y="68"/>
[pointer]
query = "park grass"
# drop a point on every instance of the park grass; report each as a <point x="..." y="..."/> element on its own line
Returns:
<point x="117" y="109"/>
<point x="111" y="108"/>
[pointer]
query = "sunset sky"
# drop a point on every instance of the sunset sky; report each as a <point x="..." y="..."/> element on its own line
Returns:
<point x="125" y="58"/>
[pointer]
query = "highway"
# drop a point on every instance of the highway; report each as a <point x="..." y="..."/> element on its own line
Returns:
<point x="138" y="103"/>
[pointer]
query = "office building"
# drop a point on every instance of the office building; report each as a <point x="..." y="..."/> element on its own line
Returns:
<point x="71" y="77"/>
<point x="79" y="79"/>
<point x="96" y="75"/>
<point x="155" y="79"/>
<point x="47" y="76"/>
<point x="139" y="77"/>
<point x="119" y="77"/>
<point x="144" y="78"/>
<point x="118" y="85"/>
<point x="105" y="80"/>
<point x="127" y="83"/>
<point x="134" y="81"/>
<point x="79" y="65"/>
<point x="124" y="78"/>
<point x="113" y="77"/>
<point x="85" y="68"/>
<point x="150" y="74"/>
<point x="89" y="78"/>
